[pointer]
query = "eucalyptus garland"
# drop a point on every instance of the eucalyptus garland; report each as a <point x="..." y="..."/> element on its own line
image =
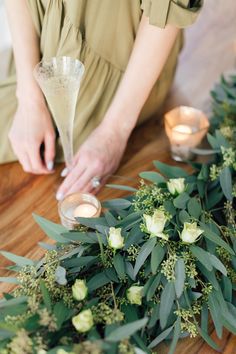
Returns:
<point x="156" y="266"/>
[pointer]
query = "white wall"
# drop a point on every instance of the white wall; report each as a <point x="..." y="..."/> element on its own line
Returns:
<point x="5" y="39"/>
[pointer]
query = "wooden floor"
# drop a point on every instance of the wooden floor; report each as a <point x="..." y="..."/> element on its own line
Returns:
<point x="209" y="50"/>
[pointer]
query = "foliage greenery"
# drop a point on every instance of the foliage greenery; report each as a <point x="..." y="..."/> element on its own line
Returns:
<point x="154" y="267"/>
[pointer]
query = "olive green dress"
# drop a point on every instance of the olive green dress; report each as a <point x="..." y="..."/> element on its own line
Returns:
<point x="101" y="34"/>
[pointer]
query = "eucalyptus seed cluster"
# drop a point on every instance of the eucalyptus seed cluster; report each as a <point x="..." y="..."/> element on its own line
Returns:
<point x="125" y="347"/>
<point x="105" y="292"/>
<point x="149" y="197"/>
<point x="168" y="267"/>
<point x="190" y="265"/>
<point x="87" y="347"/>
<point x="227" y="132"/>
<point x="17" y="320"/>
<point x="104" y="314"/>
<point x="206" y="290"/>
<point x="38" y="343"/>
<point x="187" y="318"/>
<point x="234" y="190"/>
<point x="133" y="252"/>
<point x="229" y="157"/>
<point x="230" y="214"/>
<point x="21" y="343"/>
<point x="29" y="283"/>
<point x="224" y="255"/>
<point x="214" y="172"/>
<point x="107" y="259"/>
<point x="47" y="319"/>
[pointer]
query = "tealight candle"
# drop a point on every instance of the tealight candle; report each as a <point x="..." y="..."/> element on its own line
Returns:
<point x="185" y="128"/>
<point x="75" y="205"/>
<point x="85" y="211"/>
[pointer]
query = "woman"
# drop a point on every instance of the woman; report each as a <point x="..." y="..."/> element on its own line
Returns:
<point x="129" y="49"/>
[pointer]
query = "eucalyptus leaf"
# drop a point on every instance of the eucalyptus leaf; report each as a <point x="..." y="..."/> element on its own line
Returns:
<point x="181" y="201"/>
<point x="202" y="256"/>
<point x="121" y="187"/>
<point x="204" y="317"/>
<point x="215" y="314"/>
<point x="153" y="287"/>
<point x="9" y="280"/>
<point x="144" y="252"/>
<point x="166" y="304"/>
<point x="14" y="301"/>
<point x="51" y="229"/>
<point x="153" y="177"/>
<point x="170" y="171"/>
<point x="160" y="337"/>
<point x="117" y="204"/>
<point x="176" y="336"/>
<point x="97" y="281"/>
<point x="179" y="277"/>
<point x="46" y="295"/>
<point x="119" y="265"/>
<point x="126" y="330"/>
<point x="134" y="237"/>
<point x="184" y="216"/>
<point x="212" y="236"/>
<point x="218" y="264"/>
<point x="157" y="256"/>
<point x="194" y="208"/>
<point x="20" y="261"/>
<point x="226" y="183"/>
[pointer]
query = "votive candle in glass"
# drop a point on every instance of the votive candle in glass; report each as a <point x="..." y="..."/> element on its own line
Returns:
<point x="185" y="128"/>
<point x="83" y="205"/>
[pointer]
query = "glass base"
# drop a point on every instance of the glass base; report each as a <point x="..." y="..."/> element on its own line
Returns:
<point x="181" y="153"/>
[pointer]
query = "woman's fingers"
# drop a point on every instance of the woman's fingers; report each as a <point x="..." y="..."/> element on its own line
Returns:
<point x="73" y="176"/>
<point x="49" y="153"/>
<point x="36" y="162"/>
<point x="81" y="183"/>
<point x="80" y="177"/>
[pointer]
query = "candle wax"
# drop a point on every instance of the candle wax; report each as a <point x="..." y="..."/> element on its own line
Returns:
<point x="181" y="132"/>
<point x="85" y="210"/>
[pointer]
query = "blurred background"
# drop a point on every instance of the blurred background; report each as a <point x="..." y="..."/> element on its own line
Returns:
<point x="5" y="40"/>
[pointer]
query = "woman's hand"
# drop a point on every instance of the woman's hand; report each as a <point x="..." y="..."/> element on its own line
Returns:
<point x="32" y="126"/>
<point x="99" y="156"/>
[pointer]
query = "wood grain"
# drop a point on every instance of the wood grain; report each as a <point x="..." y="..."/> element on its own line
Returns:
<point x="209" y="50"/>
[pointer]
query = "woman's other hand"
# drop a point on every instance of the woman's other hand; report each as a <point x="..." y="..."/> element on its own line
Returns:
<point x="99" y="156"/>
<point x="32" y="126"/>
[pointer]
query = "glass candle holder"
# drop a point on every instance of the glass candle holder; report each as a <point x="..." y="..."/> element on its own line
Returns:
<point x="78" y="205"/>
<point x="185" y="128"/>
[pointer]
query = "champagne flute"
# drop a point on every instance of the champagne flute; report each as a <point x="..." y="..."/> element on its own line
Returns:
<point x="59" y="78"/>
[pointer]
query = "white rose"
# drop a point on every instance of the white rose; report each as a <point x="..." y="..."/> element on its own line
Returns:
<point x="190" y="233"/>
<point x="161" y="235"/>
<point x="60" y="351"/>
<point x="176" y="185"/>
<point x="83" y="322"/>
<point x="115" y="240"/>
<point x="134" y="294"/>
<point x="79" y="290"/>
<point x="155" y="224"/>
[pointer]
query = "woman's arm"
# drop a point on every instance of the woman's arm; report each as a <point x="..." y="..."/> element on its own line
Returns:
<point x="32" y="123"/>
<point x="101" y="153"/>
<point x="25" y="46"/>
<point x="150" y="52"/>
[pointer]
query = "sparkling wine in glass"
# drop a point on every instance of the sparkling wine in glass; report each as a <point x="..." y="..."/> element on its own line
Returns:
<point x="59" y="79"/>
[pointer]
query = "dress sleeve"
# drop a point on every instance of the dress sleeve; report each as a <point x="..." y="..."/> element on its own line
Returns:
<point x="180" y="13"/>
